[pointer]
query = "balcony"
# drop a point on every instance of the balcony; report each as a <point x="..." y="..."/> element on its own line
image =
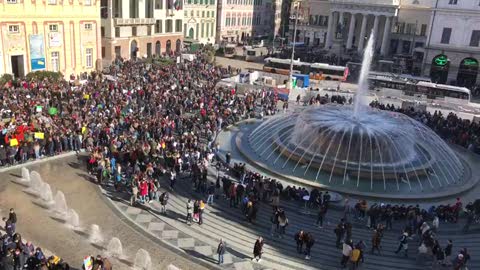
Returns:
<point x="134" y="21"/>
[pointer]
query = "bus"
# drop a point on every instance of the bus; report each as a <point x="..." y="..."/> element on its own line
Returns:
<point x="282" y="66"/>
<point x="229" y="51"/>
<point x="316" y="71"/>
<point x="418" y="87"/>
<point x="256" y="54"/>
<point x="448" y="93"/>
<point x="321" y="71"/>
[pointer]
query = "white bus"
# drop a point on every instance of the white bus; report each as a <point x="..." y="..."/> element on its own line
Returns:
<point x="316" y="71"/>
<point x="447" y="93"/>
<point x="256" y="54"/>
<point x="229" y="50"/>
<point x="321" y="71"/>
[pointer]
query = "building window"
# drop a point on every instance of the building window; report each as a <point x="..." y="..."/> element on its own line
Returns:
<point x="53" y="27"/>
<point x="475" y="39"/>
<point x="452" y="2"/>
<point x="178" y="25"/>
<point x="134" y="31"/>
<point x="203" y="14"/>
<point x="88" y="26"/>
<point x="89" y="57"/>
<point x="11" y="1"/>
<point x="158" y="4"/>
<point x="118" y="51"/>
<point x="423" y="30"/>
<point x="158" y="26"/>
<point x="52" y="2"/>
<point x="117" y="31"/>
<point x="102" y="31"/>
<point x="13" y="29"/>
<point x="88" y="2"/>
<point x="55" y="57"/>
<point x="212" y="2"/>
<point x="169" y="26"/>
<point x="447" y="32"/>
<point x="203" y="30"/>
<point x="103" y="52"/>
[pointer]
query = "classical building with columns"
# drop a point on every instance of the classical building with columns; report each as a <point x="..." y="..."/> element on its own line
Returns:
<point x="140" y="28"/>
<point x="402" y="29"/>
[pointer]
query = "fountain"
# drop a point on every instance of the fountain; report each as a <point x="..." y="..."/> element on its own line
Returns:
<point x="142" y="260"/>
<point x="73" y="219"/>
<point x="25" y="175"/>
<point x="36" y="182"/>
<point x="95" y="236"/>
<point x="46" y="194"/>
<point x="114" y="248"/>
<point x="356" y="149"/>
<point x="60" y="207"/>
<point x="362" y="89"/>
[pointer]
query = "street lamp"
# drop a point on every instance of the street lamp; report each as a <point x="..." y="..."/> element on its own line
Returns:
<point x="290" y="80"/>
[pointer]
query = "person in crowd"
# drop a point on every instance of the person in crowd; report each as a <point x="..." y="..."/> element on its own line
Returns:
<point x="403" y="243"/>
<point x="376" y="240"/>
<point x="258" y="249"/>
<point x="221" y="251"/>
<point x="309" y="241"/>
<point x="346" y="252"/>
<point x="321" y="215"/>
<point x="339" y="232"/>
<point x="299" y="239"/>
<point x="188" y="218"/>
<point x="163" y="202"/>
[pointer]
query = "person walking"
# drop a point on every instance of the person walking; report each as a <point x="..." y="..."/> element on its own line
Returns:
<point x="376" y="238"/>
<point x="282" y="224"/>
<point x="346" y="252"/>
<point x="189" y="212"/>
<point x="173" y="179"/>
<point x="299" y="239"/>
<point x="163" y="202"/>
<point x="339" y="232"/>
<point x="134" y="198"/>
<point x="12" y="216"/>
<point x="258" y="249"/>
<point x="403" y="243"/>
<point x="201" y="207"/>
<point x="211" y="193"/>
<point x="321" y="215"/>
<point x="309" y="242"/>
<point x="448" y="252"/>
<point x="221" y="251"/>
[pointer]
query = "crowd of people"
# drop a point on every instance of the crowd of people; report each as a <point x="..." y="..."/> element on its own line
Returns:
<point x="143" y="121"/>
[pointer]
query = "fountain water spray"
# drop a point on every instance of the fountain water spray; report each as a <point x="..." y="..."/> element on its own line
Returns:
<point x="60" y="206"/>
<point x="46" y="193"/>
<point x="114" y="248"/>
<point x="25" y="175"/>
<point x="73" y="220"/>
<point x="96" y="236"/>
<point x="142" y="260"/>
<point x="36" y="182"/>
<point x="363" y="81"/>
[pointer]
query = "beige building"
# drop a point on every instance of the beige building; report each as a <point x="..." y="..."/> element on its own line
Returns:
<point x="53" y="35"/>
<point x="141" y="28"/>
<point x="199" y="23"/>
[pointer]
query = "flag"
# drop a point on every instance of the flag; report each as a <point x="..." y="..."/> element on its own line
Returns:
<point x="39" y="135"/>
<point x="52" y="111"/>
<point x="13" y="142"/>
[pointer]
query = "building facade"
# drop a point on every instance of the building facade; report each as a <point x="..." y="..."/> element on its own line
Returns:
<point x="199" y="23"/>
<point x="53" y="35"/>
<point x="242" y="20"/>
<point x="453" y="44"/>
<point x="141" y="28"/>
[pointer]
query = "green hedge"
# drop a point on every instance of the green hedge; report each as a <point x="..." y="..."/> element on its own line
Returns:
<point x="41" y="75"/>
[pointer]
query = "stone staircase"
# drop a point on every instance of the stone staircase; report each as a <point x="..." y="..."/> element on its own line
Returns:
<point x="221" y="221"/>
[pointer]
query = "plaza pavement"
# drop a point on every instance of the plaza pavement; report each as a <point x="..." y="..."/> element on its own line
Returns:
<point x="37" y="224"/>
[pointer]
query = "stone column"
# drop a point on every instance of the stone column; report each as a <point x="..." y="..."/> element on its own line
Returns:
<point x="141" y="8"/>
<point x="386" y="32"/>
<point x="339" y="30"/>
<point x="125" y="9"/>
<point x="351" y="31"/>
<point x="361" y="41"/>
<point x="330" y="30"/>
<point x="375" y="28"/>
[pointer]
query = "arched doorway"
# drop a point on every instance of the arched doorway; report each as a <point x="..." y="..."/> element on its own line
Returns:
<point x="158" y="48"/>
<point x="439" y="69"/>
<point x="467" y="72"/>
<point x="191" y="33"/>
<point x="133" y="49"/>
<point x="169" y="47"/>
<point x="178" y="44"/>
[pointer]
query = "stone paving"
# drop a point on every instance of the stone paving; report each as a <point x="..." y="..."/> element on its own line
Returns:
<point x="40" y="226"/>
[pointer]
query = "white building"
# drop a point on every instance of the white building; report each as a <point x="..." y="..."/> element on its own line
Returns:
<point x="453" y="45"/>
<point x="199" y="22"/>
<point x="138" y="28"/>
<point x="241" y="20"/>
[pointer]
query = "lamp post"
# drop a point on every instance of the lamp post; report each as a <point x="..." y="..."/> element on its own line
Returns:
<point x="290" y="80"/>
